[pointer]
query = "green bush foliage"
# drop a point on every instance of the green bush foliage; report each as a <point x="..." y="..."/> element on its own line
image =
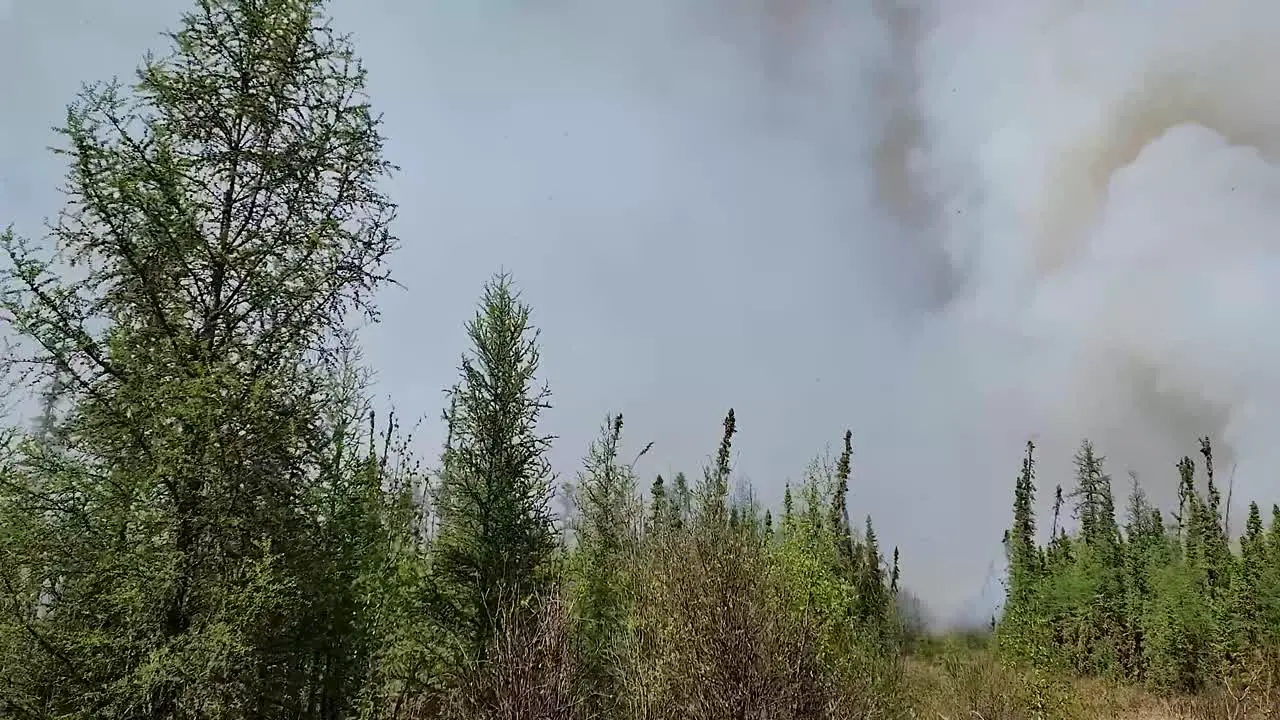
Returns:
<point x="1169" y="605"/>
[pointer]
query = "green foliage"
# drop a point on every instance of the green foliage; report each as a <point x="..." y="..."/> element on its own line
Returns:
<point x="1173" y="608"/>
<point x="713" y="491"/>
<point x="839" y="516"/>
<point x="496" y="537"/>
<point x="681" y="501"/>
<point x="198" y="527"/>
<point x="209" y="521"/>
<point x="608" y="535"/>
<point x="661" y="508"/>
<point x="838" y="580"/>
<point x="735" y="621"/>
<point x="1021" y="631"/>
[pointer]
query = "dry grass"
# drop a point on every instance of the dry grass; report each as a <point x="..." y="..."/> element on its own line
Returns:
<point x="971" y="684"/>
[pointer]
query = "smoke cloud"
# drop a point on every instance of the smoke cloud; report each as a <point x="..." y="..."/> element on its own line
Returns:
<point x="951" y="227"/>
<point x="1106" y="188"/>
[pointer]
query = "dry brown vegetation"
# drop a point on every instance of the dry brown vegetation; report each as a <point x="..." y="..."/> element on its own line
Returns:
<point x="962" y="681"/>
<point x="755" y="669"/>
<point x="707" y="641"/>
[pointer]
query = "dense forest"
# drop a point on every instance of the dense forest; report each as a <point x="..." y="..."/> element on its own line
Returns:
<point x="209" y="520"/>
<point x="1169" y="604"/>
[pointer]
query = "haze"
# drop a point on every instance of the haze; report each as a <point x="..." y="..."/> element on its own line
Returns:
<point x="949" y="227"/>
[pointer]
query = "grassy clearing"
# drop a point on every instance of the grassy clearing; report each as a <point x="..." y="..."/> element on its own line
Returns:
<point x="960" y="677"/>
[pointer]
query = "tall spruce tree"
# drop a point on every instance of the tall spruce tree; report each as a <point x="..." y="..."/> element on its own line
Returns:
<point x="496" y="537"/>
<point x="659" y="506"/>
<point x="1020" y="541"/>
<point x="1095" y="504"/>
<point x="895" y="575"/>
<point x="1144" y="534"/>
<point x="1249" y="588"/>
<point x="170" y="533"/>
<point x="846" y="550"/>
<point x="1186" y="494"/>
<point x="1019" y="615"/>
<point x="1095" y="600"/>
<point x="607" y="532"/>
<point x="1273" y="532"/>
<point x="788" y="509"/>
<point x="681" y="501"/>
<point x="1217" y="553"/>
<point x="713" y="492"/>
<point x="874" y="601"/>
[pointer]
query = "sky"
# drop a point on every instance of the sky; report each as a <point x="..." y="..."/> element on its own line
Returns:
<point x="948" y="229"/>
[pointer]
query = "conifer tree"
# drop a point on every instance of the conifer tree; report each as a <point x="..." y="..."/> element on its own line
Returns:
<point x="1217" y="554"/>
<point x="1268" y="551"/>
<point x="681" y="501"/>
<point x="1273" y="532"/>
<point x="713" y="494"/>
<point x="1186" y="494"/>
<point x="1211" y="486"/>
<point x="1096" y="608"/>
<point x="1057" y="511"/>
<point x="1019" y="615"/>
<point x="873" y="598"/>
<point x="1020" y="542"/>
<point x="893" y="578"/>
<point x="839" y="520"/>
<point x="173" y="521"/>
<point x="1253" y="533"/>
<point x="1095" y="506"/>
<point x="813" y="493"/>
<point x="659" y="506"/>
<point x="496" y="535"/>
<point x="1144" y="533"/>
<point x="1249" y="588"/>
<point x="1058" y="552"/>
<point x="788" y="508"/>
<point x="607" y="540"/>
<point x="749" y="510"/>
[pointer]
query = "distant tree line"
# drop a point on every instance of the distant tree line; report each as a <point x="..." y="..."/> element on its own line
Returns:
<point x="1167" y="602"/>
